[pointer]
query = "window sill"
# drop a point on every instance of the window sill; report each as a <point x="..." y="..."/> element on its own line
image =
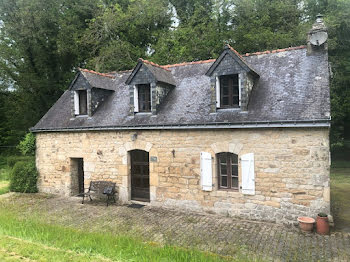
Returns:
<point x="143" y="113"/>
<point x="82" y="116"/>
<point x="228" y="109"/>
<point x="229" y="189"/>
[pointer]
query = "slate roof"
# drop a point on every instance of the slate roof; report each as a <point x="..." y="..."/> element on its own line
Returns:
<point x="293" y="88"/>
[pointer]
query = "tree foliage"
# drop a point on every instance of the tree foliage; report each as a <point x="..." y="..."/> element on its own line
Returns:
<point x="39" y="43"/>
<point x="123" y="32"/>
<point x="267" y="24"/>
<point x="27" y="145"/>
<point x="42" y="42"/>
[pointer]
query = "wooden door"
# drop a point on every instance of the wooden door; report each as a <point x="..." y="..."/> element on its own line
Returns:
<point x="80" y="175"/>
<point x="139" y="175"/>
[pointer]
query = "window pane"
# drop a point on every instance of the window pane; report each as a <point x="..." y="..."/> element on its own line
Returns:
<point x="235" y="90"/>
<point x="234" y="159"/>
<point x="222" y="159"/>
<point x="229" y="86"/>
<point x="83" y="102"/>
<point x="234" y="182"/>
<point x="225" y="90"/>
<point x="225" y="101"/>
<point x="224" y="181"/>
<point x="234" y="170"/>
<point x="223" y="169"/>
<point x="144" y="98"/>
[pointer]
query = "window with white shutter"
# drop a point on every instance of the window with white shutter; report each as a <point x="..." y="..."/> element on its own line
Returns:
<point x="144" y="97"/>
<point x="228" y="91"/>
<point x="248" y="174"/>
<point x="80" y="102"/>
<point x="206" y="171"/>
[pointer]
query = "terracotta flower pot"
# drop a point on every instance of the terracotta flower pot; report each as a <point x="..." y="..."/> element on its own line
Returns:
<point x="322" y="225"/>
<point x="306" y="224"/>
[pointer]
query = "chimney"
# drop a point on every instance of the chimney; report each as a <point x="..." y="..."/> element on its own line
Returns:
<point x="317" y="37"/>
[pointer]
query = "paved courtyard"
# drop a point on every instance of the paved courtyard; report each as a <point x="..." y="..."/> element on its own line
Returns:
<point x="208" y="232"/>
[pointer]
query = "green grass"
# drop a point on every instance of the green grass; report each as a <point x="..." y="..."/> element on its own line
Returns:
<point x="4" y="187"/>
<point x="29" y="238"/>
<point x="340" y="194"/>
<point x="4" y="175"/>
<point x="15" y="249"/>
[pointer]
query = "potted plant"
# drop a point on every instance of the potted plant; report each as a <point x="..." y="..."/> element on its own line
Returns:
<point x="322" y="224"/>
<point x="306" y="224"/>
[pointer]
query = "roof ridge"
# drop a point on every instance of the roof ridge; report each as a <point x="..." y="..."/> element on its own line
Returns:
<point x="190" y="63"/>
<point x="275" y="50"/>
<point x="94" y="72"/>
<point x="242" y="56"/>
<point x="235" y="51"/>
<point x="166" y="67"/>
<point x="153" y="64"/>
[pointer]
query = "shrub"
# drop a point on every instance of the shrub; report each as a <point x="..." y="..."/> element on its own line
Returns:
<point x="12" y="160"/>
<point x="24" y="177"/>
<point x="27" y="145"/>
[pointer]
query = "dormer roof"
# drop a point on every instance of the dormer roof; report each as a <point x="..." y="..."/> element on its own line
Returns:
<point x="87" y="79"/>
<point x="159" y="73"/>
<point x="237" y="58"/>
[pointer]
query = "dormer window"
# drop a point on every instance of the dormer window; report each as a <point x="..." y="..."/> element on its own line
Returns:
<point x="232" y="79"/>
<point x="229" y="91"/>
<point x="80" y="102"/>
<point x="149" y="84"/>
<point x="144" y="98"/>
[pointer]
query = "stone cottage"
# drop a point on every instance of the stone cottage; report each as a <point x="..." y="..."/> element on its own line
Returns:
<point x="243" y="135"/>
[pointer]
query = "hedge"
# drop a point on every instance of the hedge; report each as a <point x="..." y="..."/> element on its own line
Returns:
<point x="24" y="177"/>
<point x="12" y="160"/>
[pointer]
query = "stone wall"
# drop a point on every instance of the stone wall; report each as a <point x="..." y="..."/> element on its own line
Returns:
<point x="291" y="166"/>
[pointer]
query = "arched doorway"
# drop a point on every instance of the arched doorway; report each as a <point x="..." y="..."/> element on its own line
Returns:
<point x="139" y="175"/>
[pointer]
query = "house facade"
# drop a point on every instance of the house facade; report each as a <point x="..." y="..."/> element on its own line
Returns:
<point x="240" y="135"/>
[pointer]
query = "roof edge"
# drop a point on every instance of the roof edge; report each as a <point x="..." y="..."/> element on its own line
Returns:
<point x="94" y="72"/>
<point x="239" y="125"/>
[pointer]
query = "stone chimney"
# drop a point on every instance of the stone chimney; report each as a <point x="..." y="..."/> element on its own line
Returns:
<point x="317" y="37"/>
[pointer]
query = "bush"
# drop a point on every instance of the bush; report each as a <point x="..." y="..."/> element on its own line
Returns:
<point x="12" y="160"/>
<point x="27" y="145"/>
<point x="24" y="177"/>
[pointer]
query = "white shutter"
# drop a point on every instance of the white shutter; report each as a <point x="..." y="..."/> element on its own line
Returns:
<point x="136" y="99"/>
<point x="239" y="89"/>
<point x="76" y="103"/>
<point x="217" y="88"/>
<point x="248" y="174"/>
<point x="206" y="172"/>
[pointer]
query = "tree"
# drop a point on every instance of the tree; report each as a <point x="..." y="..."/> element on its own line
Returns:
<point x="199" y="36"/>
<point x="40" y="47"/>
<point x="267" y="24"/>
<point x="123" y="32"/>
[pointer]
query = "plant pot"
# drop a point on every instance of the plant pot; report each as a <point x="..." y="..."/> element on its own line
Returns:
<point x="322" y="225"/>
<point x="306" y="224"/>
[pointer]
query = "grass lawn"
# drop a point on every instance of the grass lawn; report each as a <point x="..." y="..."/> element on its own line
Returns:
<point x="340" y="194"/>
<point x="28" y="238"/>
